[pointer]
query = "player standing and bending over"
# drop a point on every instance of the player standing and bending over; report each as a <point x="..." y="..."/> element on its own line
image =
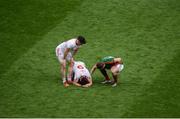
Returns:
<point x="65" y="53"/>
<point x="115" y="65"/>
<point x="81" y="76"/>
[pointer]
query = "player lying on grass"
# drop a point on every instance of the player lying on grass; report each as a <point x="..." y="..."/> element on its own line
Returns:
<point x="115" y="65"/>
<point x="65" y="52"/>
<point x="81" y="76"/>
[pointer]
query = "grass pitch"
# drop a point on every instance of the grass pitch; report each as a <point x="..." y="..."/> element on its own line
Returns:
<point x="145" y="33"/>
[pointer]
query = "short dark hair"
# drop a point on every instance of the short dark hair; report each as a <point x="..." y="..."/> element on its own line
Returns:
<point x="83" y="80"/>
<point x="81" y="39"/>
<point x="100" y="65"/>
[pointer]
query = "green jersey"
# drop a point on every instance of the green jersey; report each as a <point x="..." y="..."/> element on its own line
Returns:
<point x="107" y="59"/>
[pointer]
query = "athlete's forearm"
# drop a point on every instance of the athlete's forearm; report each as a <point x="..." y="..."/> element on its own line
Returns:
<point x="75" y="51"/>
<point x="93" y="69"/>
<point x="89" y="84"/>
<point x="66" y="52"/>
<point x="70" y="69"/>
<point x="77" y="84"/>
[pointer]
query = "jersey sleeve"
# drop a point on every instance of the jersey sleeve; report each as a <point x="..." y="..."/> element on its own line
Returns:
<point x="71" y="44"/>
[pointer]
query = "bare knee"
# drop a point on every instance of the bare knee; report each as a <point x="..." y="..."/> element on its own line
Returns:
<point x="71" y="63"/>
<point x="63" y="66"/>
<point x="115" y="71"/>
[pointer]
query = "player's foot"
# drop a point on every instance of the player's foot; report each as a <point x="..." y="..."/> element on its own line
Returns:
<point x="66" y="84"/>
<point x="106" y="81"/>
<point x="114" y="84"/>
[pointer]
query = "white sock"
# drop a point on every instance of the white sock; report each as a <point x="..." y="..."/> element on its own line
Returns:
<point x="64" y="80"/>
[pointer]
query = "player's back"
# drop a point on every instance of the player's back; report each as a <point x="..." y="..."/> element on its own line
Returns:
<point x="107" y="59"/>
<point x="68" y="44"/>
<point x="80" y="69"/>
<point x="79" y="66"/>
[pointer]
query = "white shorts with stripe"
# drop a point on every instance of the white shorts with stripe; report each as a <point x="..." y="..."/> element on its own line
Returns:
<point x="60" y="55"/>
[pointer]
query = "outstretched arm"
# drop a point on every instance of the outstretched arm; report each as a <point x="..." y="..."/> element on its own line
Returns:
<point x="70" y="69"/>
<point x="93" y="69"/>
<point x="66" y="52"/>
<point x="77" y="84"/>
<point x="75" y="51"/>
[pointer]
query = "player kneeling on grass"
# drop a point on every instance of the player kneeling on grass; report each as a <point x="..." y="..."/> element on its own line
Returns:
<point x="110" y="63"/>
<point x="65" y="52"/>
<point x="81" y="76"/>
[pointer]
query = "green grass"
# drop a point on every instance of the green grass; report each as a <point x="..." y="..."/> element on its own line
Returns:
<point x="160" y="99"/>
<point x="23" y="23"/>
<point x="145" y="33"/>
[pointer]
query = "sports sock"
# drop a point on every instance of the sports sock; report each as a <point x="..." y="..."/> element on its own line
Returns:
<point x="103" y="71"/>
<point x="64" y="80"/>
<point x="107" y="77"/>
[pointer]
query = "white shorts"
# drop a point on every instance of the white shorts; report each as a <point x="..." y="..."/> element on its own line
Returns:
<point x="120" y="67"/>
<point x="60" y="55"/>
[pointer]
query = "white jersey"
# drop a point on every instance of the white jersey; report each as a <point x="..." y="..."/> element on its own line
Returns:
<point x="60" y="49"/>
<point x="71" y="44"/>
<point x="79" y="70"/>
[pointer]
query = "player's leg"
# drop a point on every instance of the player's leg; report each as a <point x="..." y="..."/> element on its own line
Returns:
<point x="116" y="69"/>
<point x="71" y="64"/>
<point x="59" y="54"/>
<point x="63" y="72"/>
<point x="104" y="73"/>
<point x="115" y="77"/>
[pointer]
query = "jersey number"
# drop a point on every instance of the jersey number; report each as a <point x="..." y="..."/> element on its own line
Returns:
<point x="80" y="67"/>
